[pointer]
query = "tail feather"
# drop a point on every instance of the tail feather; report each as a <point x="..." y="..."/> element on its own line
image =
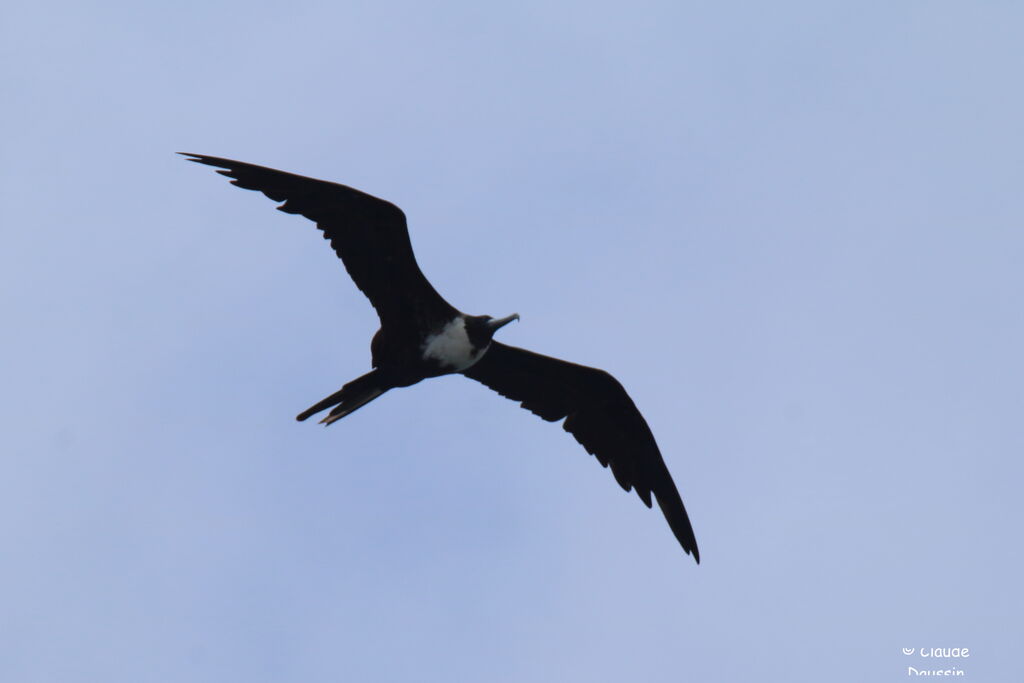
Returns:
<point x="348" y="399"/>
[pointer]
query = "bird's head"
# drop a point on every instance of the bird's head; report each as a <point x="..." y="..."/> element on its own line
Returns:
<point x="481" y="328"/>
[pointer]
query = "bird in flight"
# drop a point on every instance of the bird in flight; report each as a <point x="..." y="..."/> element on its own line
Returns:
<point x="421" y="335"/>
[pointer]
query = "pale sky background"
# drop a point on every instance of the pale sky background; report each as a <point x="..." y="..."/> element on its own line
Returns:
<point x="793" y="230"/>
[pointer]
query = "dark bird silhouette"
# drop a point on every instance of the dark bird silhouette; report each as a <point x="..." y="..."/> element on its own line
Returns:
<point x="421" y="335"/>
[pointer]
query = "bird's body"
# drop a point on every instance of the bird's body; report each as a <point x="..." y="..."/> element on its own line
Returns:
<point x="460" y="343"/>
<point x="422" y="335"/>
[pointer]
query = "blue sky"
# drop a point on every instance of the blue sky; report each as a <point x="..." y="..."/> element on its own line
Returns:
<point x="793" y="231"/>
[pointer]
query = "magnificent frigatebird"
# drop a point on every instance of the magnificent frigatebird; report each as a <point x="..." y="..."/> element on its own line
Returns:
<point x="421" y="335"/>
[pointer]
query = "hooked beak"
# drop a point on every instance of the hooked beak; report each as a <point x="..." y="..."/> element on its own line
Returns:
<point x="501" y="322"/>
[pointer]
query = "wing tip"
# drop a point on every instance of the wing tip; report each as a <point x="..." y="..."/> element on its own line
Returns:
<point x="689" y="542"/>
<point x="672" y="508"/>
<point x="208" y="160"/>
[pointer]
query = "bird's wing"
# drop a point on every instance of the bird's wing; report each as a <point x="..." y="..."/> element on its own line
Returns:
<point x="599" y="413"/>
<point x="368" y="234"/>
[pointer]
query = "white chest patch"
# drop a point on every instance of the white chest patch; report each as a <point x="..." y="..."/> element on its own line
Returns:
<point x="451" y="347"/>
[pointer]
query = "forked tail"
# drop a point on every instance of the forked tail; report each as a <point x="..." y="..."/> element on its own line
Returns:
<point x="348" y="399"/>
